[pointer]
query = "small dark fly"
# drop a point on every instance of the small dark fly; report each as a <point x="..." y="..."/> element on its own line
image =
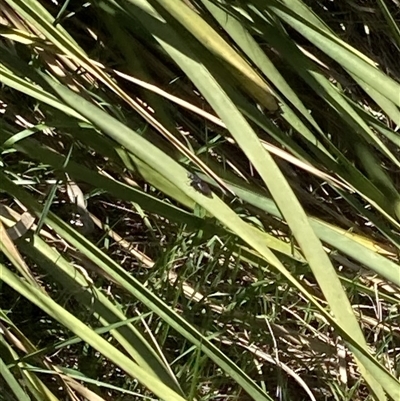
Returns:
<point x="199" y="185"/>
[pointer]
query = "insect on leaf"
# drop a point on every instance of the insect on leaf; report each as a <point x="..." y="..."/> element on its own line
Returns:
<point x="199" y="185"/>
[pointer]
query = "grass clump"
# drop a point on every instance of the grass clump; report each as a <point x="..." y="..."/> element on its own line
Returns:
<point x="200" y="200"/>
